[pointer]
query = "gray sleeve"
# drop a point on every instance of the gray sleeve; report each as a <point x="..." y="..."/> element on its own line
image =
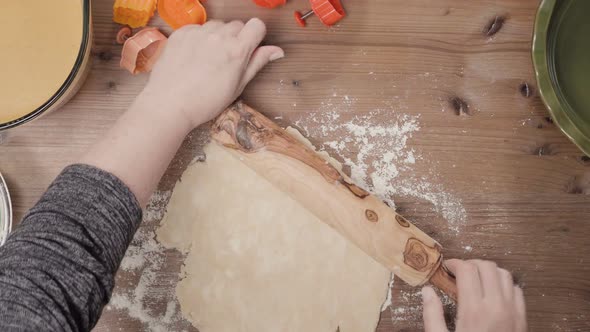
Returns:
<point x="57" y="268"/>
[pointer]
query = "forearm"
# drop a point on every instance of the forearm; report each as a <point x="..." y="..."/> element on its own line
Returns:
<point x="57" y="269"/>
<point x="200" y="72"/>
<point x="140" y="146"/>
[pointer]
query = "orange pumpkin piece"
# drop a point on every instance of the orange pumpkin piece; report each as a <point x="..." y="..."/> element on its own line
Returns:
<point x="178" y="13"/>
<point x="134" y="13"/>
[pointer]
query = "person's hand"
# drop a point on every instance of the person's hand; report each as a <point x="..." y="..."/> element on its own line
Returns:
<point x="205" y="68"/>
<point x="488" y="300"/>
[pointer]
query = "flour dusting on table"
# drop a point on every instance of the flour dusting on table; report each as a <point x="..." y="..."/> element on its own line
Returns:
<point x="145" y="260"/>
<point x="379" y="157"/>
<point x="375" y="147"/>
<point x="406" y="310"/>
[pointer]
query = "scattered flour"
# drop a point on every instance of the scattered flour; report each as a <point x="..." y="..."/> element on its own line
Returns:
<point x="375" y="148"/>
<point x="408" y="310"/>
<point x="387" y="303"/>
<point x="336" y="101"/>
<point x="279" y="89"/>
<point x="145" y="258"/>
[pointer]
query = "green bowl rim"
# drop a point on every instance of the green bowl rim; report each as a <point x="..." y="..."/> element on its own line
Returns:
<point x="544" y="82"/>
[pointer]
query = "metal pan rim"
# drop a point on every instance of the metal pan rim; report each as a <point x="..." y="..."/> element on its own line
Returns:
<point x="5" y="211"/>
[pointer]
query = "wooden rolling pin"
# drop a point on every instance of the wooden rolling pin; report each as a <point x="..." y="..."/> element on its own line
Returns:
<point x="330" y="195"/>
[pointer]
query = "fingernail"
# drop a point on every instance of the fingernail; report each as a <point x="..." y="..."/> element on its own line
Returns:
<point x="426" y="294"/>
<point x="277" y="55"/>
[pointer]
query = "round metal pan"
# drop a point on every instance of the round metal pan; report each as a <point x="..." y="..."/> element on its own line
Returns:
<point x="5" y="211"/>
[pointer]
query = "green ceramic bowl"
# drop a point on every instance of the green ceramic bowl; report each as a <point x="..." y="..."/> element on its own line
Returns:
<point x="561" y="56"/>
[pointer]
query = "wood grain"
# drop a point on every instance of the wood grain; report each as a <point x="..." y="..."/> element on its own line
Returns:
<point x="523" y="184"/>
<point x="331" y="196"/>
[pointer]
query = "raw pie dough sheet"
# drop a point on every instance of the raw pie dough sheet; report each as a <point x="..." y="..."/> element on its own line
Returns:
<point x="258" y="261"/>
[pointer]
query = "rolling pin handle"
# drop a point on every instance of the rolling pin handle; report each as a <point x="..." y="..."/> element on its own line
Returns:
<point x="444" y="280"/>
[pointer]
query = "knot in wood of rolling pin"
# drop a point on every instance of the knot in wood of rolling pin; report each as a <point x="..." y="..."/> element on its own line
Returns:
<point x="371" y="215"/>
<point x="249" y="135"/>
<point x="238" y="129"/>
<point x="402" y="221"/>
<point x="242" y="128"/>
<point x="356" y="190"/>
<point x="417" y="255"/>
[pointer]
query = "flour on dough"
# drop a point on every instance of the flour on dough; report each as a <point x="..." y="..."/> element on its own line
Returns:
<point x="258" y="261"/>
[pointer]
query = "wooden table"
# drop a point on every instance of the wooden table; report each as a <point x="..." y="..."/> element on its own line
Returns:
<point x="463" y="66"/>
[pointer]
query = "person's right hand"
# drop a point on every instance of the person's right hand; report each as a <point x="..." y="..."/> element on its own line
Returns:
<point x="204" y="68"/>
<point x="488" y="300"/>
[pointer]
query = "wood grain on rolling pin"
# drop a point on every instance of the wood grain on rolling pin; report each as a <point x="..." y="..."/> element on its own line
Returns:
<point x="359" y="216"/>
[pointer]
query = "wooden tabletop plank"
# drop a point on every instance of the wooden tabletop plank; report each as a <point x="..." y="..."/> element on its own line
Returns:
<point x="523" y="185"/>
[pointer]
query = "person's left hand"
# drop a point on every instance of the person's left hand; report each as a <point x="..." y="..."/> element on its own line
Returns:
<point x="205" y="68"/>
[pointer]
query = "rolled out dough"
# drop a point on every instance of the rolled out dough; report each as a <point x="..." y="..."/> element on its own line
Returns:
<point x="258" y="261"/>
